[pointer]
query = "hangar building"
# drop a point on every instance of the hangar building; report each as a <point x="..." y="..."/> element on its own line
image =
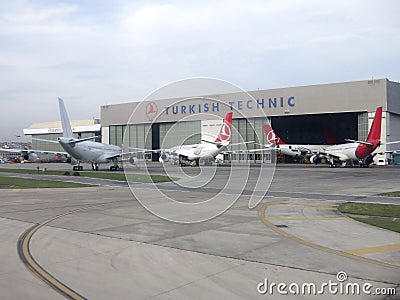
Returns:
<point x="299" y="115"/>
<point x="52" y="130"/>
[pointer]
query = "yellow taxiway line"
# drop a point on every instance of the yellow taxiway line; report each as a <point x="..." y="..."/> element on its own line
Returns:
<point x="261" y="215"/>
<point x="37" y="270"/>
<point x="306" y="219"/>
<point x="374" y="249"/>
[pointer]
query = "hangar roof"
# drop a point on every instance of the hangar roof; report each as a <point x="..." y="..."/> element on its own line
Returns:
<point x="92" y="125"/>
<point x="355" y="96"/>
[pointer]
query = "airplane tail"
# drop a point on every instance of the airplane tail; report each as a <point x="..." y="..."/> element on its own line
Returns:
<point x="226" y="129"/>
<point x="330" y="138"/>
<point x="66" y="125"/>
<point x="272" y="137"/>
<point x="375" y="131"/>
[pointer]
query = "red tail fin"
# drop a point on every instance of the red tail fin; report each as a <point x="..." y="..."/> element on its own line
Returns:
<point x="226" y="129"/>
<point x="375" y="131"/>
<point x="272" y="136"/>
<point x="330" y="138"/>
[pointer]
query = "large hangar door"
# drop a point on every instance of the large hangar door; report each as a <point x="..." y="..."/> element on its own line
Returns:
<point x="317" y="129"/>
<point x="155" y="141"/>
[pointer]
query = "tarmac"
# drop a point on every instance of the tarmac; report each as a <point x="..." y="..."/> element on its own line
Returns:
<point x="100" y="242"/>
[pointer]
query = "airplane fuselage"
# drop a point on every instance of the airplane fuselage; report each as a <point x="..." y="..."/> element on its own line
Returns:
<point x="195" y="151"/>
<point x="351" y="151"/>
<point x="91" y="152"/>
<point x="297" y="150"/>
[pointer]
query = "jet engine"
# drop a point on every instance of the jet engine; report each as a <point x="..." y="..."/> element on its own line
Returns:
<point x="315" y="159"/>
<point x="164" y="157"/>
<point x="72" y="161"/>
<point x="31" y="157"/>
<point x="132" y="160"/>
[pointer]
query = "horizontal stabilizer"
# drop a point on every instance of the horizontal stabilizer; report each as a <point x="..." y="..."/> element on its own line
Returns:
<point x="43" y="140"/>
<point x="210" y="142"/>
<point x="360" y="142"/>
<point x="84" y="139"/>
<point x="72" y="141"/>
<point x="390" y="152"/>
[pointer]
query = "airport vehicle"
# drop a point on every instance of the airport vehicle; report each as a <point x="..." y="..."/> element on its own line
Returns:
<point x="207" y="150"/>
<point x="85" y="150"/>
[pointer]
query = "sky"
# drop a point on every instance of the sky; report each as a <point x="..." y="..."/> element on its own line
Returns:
<point x="92" y="53"/>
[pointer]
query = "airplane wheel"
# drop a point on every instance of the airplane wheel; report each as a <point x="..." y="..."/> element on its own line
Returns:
<point x="116" y="168"/>
<point x="80" y="168"/>
<point x="97" y="168"/>
<point x="112" y="168"/>
<point x="74" y="168"/>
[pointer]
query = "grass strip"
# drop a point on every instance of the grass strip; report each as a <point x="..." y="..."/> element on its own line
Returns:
<point x="145" y="178"/>
<point x="390" y="194"/>
<point x="371" y="209"/>
<point x="27" y="183"/>
<point x="387" y="224"/>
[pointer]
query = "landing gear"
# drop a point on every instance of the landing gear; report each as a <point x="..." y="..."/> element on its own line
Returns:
<point x="115" y="167"/>
<point x="95" y="167"/>
<point x="365" y="163"/>
<point x="362" y="165"/>
<point x="181" y="161"/>
<point x="77" y="168"/>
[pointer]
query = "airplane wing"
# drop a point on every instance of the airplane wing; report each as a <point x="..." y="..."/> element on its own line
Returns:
<point x="146" y="150"/>
<point x="112" y="155"/>
<point x="243" y="143"/>
<point x="329" y="154"/>
<point x="389" y="151"/>
<point x="360" y="142"/>
<point x="389" y="143"/>
<point x="304" y="150"/>
<point x="256" y="150"/>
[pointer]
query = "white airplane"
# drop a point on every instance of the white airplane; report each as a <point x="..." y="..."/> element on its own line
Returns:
<point x="341" y="154"/>
<point x="293" y="150"/>
<point x="192" y="154"/>
<point x="24" y="154"/>
<point x="84" y="150"/>
<point x="187" y="154"/>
